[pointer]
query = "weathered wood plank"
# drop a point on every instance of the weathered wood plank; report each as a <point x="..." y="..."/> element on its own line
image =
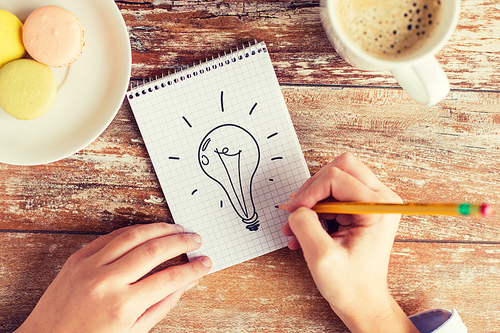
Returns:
<point x="461" y="276"/>
<point x="272" y="293"/>
<point x="447" y="153"/>
<point x="108" y="185"/>
<point x="167" y="35"/>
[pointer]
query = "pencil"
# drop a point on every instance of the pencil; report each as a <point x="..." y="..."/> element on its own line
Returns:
<point x="484" y="210"/>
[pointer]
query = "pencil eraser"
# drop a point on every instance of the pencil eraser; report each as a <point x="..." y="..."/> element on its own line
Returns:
<point x="486" y="210"/>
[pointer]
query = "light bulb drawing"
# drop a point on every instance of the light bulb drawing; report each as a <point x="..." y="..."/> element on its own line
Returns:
<point x="230" y="155"/>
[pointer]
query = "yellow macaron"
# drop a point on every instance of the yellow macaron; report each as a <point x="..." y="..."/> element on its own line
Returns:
<point x="11" y="37"/>
<point x="28" y="89"/>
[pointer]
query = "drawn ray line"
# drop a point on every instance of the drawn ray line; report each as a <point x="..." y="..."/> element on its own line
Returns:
<point x="274" y="134"/>
<point x="253" y="107"/>
<point x="222" y="100"/>
<point x="276" y="158"/>
<point x="271" y="180"/>
<point x="221" y="204"/>
<point x="174" y="158"/>
<point x="196" y="190"/>
<point x="187" y="122"/>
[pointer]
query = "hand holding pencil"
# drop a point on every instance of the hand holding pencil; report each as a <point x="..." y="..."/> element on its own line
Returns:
<point x="349" y="266"/>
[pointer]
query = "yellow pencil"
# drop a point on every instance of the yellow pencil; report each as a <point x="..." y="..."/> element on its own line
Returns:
<point x="484" y="210"/>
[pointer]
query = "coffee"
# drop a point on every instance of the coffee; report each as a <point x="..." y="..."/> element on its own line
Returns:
<point x="390" y="29"/>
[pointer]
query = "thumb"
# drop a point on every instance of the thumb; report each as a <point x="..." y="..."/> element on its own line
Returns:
<point x="158" y="311"/>
<point x="313" y="239"/>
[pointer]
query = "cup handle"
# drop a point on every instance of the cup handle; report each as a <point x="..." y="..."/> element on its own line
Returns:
<point x="425" y="82"/>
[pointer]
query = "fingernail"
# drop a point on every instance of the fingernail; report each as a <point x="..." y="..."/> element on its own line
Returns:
<point x="292" y="243"/>
<point x="179" y="228"/>
<point x="205" y="261"/>
<point x="197" y="238"/>
<point x="283" y="206"/>
<point x="293" y="195"/>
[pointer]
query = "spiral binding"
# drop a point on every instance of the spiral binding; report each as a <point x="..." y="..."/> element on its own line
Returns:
<point x="195" y="70"/>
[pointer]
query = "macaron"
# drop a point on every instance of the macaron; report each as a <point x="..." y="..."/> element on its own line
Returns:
<point x="28" y="89"/>
<point x="53" y="36"/>
<point x="11" y="42"/>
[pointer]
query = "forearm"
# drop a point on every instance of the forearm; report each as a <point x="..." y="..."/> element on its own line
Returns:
<point x="375" y="317"/>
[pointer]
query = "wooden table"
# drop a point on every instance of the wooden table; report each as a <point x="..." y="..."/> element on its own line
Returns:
<point x="446" y="153"/>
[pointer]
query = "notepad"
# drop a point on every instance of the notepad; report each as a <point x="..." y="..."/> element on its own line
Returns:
<point x="225" y="152"/>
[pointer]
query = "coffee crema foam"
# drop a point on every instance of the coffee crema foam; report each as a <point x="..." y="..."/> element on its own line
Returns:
<point x="390" y="29"/>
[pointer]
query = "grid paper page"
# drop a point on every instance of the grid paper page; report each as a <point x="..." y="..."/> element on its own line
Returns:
<point x="225" y="152"/>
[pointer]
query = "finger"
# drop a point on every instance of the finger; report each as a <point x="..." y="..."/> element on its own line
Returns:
<point x="156" y="287"/>
<point x="159" y="310"/>
<point x="345" y="220"/>
<point x="306" y="184"/>
<point x="141" y="260"/>
<point x="97" y="244"/>
<point x="332" y="183"/>
<point x="310" y="181"/>
<point x="350" y="164"/>
<point x="309" y="233"/>
<point x="133" y="237"/>
<point x="285" y="228"/>
<point x="293" y="243"/>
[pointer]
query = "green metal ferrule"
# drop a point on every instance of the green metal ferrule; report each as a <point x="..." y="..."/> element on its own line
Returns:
<point x="464" y="209"/>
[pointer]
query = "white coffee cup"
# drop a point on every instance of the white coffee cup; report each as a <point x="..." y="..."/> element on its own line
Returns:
<point x="419" y="74"/>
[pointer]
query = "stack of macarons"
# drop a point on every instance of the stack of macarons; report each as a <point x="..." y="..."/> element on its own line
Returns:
<point x="52" y="37"/>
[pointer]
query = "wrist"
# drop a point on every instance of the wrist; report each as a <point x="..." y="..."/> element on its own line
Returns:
<point x="379" y="314"/>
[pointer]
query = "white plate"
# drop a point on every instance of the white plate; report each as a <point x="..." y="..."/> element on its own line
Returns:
<point x="90" y="91"/>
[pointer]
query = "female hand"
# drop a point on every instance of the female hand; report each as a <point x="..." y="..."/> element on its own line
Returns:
<point x="102" y="288"/>
<point x="349" y="266"/>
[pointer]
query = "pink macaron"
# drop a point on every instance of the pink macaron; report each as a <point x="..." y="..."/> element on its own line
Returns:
<point x="53" y="36"/>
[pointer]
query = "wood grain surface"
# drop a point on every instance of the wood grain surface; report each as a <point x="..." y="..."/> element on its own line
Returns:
<point x="169" y="35"/>
<point x="446" y="153"/>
